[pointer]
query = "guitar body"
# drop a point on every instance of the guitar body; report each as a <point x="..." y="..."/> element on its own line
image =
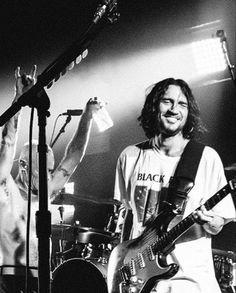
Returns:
<point x="141" y="277"/>
<point x="135" y="266"/>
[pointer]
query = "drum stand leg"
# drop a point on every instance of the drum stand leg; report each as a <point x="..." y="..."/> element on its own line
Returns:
<point x="60" y="255"/>
<point x="231" y="289"/>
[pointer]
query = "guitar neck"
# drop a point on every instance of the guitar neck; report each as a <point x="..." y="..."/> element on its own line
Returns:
<point x="171" y="236"/>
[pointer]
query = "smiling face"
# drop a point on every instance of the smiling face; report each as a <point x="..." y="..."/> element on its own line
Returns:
<point x="173" y="111"/>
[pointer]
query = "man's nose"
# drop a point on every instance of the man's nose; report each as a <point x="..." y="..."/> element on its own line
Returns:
<point x="174" y="106"/>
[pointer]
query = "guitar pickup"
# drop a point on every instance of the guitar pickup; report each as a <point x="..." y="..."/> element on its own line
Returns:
<point x="132" y="267"/>
<point x="141" y="261"/>
<point x="151" y="255"/>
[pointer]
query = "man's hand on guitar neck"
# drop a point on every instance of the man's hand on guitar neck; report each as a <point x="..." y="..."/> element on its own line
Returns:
<point x="209" y="220"/>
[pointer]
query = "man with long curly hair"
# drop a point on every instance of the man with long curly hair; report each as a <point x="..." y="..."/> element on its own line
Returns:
<point x="170" y="119"/>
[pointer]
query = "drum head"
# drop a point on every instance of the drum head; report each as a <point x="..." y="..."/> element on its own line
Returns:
<point x="78" y="276"/>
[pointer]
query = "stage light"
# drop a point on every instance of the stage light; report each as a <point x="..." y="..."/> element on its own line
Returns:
<point x="208" y="56"/>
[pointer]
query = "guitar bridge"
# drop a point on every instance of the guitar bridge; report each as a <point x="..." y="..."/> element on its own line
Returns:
<point x="125" y="273"/>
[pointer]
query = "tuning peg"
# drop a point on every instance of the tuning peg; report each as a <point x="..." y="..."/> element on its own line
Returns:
<point x="78" y="59"/>
<point x="57" y="77"/>
<point x="49" y="85"/>
<point x="85" y="53"/>
<point x="71" y="65"/>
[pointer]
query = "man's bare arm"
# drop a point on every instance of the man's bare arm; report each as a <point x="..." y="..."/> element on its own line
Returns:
<point x="8" y="135"/>
<point x="76" y="148"/>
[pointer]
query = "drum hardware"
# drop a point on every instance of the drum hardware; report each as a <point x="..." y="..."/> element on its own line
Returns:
<point x="229" y="254"/>
<point x="231" y="167"/>
<point x="93" y="236"/>
<point x="100" y="252"/>
<point x="224" y="266"/>
<point x="110" y="224"/>
<point x="67" y="245"/>
<point x="91" y="251"/>
<point x="73" y="199"/>
<point x="60" y="256"/>
<point x="61" y="210"/>
<point x="106" y="251"/>
<point x="96" y="243"/>
<point x="67" y="232"/>
<point x="95" y="246"/>
<point x="112" y="220"/>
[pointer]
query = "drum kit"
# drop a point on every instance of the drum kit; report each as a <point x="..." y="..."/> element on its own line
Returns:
<point x="80" y="259"/>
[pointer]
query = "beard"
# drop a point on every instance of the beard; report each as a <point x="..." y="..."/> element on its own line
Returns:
<point x="168" y="129"/>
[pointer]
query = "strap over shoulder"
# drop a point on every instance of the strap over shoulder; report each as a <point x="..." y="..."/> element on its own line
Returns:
<point x="184" y="177"/>
<point x="190" y="160"/>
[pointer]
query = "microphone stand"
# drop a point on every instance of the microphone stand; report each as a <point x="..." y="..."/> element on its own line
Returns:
<point x="36" y="97"/>
<point x="221" y="35"/>
<point x="43" y="215"/>
<point x="68" y="119"/>
<point x="229" y="65"/>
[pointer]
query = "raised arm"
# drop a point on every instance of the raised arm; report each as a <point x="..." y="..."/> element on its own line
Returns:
<point x="8" y="134"/>
<point x="76" y="148"/>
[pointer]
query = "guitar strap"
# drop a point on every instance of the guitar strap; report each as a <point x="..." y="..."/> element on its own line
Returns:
<point x="184" y="177"/>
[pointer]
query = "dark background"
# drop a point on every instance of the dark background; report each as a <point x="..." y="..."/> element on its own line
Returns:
<point x="149" y="42"/>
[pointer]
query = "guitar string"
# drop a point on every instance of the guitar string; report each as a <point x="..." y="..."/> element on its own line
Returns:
<point x="176" y="231"/>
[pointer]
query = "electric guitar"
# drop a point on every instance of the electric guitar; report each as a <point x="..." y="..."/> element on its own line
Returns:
<point x="136" y="265"/>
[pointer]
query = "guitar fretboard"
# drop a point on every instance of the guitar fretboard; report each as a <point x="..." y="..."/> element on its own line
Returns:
<point x="171" y="236"/>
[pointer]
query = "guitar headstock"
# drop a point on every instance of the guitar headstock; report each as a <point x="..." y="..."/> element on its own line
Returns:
<point x="108" y="8"/>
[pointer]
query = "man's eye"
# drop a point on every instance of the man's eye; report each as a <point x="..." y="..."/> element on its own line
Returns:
<point x="166" y="101"/>
<point x="183" y="104"/>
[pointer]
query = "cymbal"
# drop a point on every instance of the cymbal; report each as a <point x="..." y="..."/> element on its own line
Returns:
<point x="72" y="199"/>
<point x="66" y="232"/>
<point x="231" y="167"/>
<point x="229" y="254"/>
<point x="94" y="236"/>
<point x="61" y="226"/>
<point x="68" y="227"/>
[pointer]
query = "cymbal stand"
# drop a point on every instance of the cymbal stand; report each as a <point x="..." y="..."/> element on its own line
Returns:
<point x="61" y="211"/>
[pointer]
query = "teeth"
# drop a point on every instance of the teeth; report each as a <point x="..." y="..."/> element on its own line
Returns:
<point x="172" y="119"/>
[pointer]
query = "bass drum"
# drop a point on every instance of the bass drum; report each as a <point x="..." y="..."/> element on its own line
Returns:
<point x="79" y="276"/>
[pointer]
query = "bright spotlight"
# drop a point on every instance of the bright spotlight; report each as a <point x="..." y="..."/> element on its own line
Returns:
<point x="208" y="56"/>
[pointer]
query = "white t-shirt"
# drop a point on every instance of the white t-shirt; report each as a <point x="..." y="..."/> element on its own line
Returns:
<point x="142" y="177"/>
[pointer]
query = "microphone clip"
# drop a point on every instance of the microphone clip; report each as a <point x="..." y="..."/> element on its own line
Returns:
<point x="77" y="112"/>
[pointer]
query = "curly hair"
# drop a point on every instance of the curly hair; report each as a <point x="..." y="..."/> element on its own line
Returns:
<point x="148" y="118"/>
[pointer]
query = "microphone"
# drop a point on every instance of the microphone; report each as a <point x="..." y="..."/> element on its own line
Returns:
<point x="76" y="112"/>
<point x="61" y="210"/>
